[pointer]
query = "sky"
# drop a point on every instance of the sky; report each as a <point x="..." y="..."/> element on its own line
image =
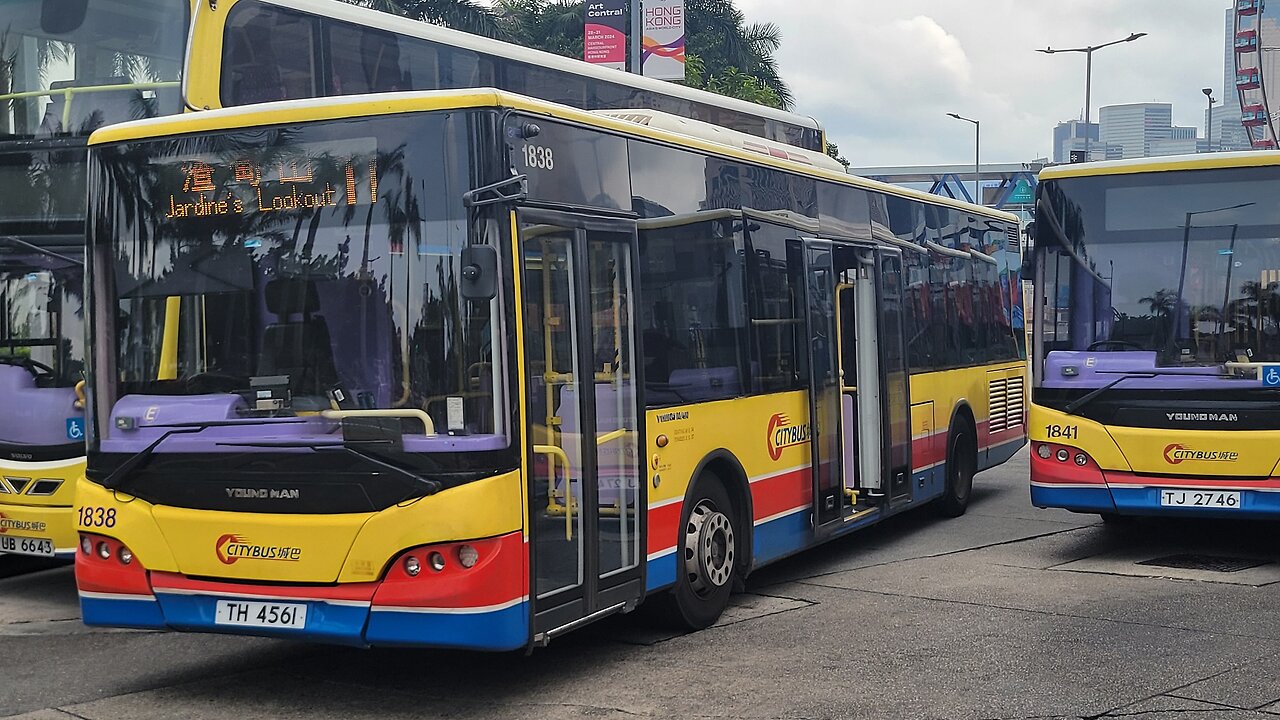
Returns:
<point x="881" y="75"/>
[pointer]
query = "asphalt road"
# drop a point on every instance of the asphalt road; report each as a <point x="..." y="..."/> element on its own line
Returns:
<point x="1007" y="612"/>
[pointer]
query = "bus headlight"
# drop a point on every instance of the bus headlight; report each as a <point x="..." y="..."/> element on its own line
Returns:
<point x="1063" y="455"/>
<point x="104" y="551"/>
<point x="86" y="545"/>
<point x="411" y="566"/>
<point x="468" y="556"/>
<point x="125" y="555"/>
<point x="437" y="561"/>
<point x="1044" y="451"/>
<point x="1082" y="459"/>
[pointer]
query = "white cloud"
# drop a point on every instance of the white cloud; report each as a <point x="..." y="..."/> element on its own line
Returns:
<point x="882" y="75"/>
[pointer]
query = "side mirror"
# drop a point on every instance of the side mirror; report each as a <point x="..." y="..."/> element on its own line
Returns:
<point x="1030" y="232"/>
<point x="59" y="17"/>
<point x="479" y="272"/>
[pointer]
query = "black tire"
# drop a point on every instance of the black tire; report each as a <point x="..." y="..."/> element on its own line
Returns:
<point x="707" y="559"/>
<point x="962" y="463"/>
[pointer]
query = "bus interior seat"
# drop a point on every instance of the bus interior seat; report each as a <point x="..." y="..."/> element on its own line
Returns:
<point x="612" y="457"/>
<point x="298" y="344"/>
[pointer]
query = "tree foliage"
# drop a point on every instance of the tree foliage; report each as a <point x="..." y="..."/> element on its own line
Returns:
<point x="726" y="54"/>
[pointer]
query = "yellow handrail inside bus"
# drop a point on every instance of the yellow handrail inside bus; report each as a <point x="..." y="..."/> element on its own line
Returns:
<point x="168" y="369"/>
<point x="554" y="453"/>
<point x="840" y="288"/>
<point x="69" y="92"/>
<point x="427" y="423"/>
<point x="610" y="436"/>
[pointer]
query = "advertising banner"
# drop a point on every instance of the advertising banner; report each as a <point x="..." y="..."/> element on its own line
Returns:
<point x="605" y="37"/>
<point x="663" y="49"/>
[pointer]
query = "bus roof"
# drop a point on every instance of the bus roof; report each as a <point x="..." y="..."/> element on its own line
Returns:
<point x="348" y="106"/>
<point x="1136" y="166"/>
<point x="367" y="17"/>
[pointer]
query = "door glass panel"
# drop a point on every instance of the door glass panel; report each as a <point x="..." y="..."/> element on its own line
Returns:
<point x="825" y="414"/>
<point x="895" y="373"/>
<point x="555" y="427"/>
<point x="609" y="273"/>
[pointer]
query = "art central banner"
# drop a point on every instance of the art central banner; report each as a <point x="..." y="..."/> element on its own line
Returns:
<point x="663" y="49"/>
<point x="605" y="36"/>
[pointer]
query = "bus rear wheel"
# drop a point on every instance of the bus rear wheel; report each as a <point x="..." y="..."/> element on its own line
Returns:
<point x="708" y="559"/>
<point x="962" y="463"/>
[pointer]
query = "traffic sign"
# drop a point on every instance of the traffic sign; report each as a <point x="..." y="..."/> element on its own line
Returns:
<point x="1022" y="193"/>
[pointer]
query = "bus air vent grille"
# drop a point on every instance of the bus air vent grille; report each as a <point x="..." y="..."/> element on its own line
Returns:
<point x="1005" y="398"/>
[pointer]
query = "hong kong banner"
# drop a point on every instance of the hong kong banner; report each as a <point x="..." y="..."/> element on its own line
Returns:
<point x="605" y="37"/>
<point x="663" y="48"/>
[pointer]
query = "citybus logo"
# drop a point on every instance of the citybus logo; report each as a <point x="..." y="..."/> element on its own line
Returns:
<point x="7" y="523"/>
<point x="231" y="548"/>
<point x="782" y="434"/>
<point x="1177" y="453"/>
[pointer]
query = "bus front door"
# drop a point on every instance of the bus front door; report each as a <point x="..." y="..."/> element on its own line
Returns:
<point x="584" y="421"/>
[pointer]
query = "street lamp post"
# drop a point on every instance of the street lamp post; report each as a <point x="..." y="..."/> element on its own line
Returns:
<point x="1088" y="77"/>
<point x="977" y="156"/>
<point x="1208" y="121"/>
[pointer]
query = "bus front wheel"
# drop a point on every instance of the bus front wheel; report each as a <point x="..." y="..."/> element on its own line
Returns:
<point x="962" y="463"/>
<point x="708" y="560"/>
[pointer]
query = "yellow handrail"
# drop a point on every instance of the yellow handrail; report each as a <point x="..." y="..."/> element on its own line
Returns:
<point x="168" y="369"/>
<point x="553" y="453"/>
<point x="68" y="92"/>
<point x="427" y="423"/>
<point x="610" y="436"/>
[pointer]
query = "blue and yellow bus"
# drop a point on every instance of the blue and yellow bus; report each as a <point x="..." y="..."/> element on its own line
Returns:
<point x="1157" y="343"/>
<point x="468" y="369"/>
<point x="69" y="68"/>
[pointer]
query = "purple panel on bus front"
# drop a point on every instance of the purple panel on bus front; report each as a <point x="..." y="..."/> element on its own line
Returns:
<point x="33" y="416"/>
<point x="1086" y="370"/>
<point x="154" y="415"/>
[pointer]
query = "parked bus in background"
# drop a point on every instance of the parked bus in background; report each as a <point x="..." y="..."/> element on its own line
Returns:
<point x="1157" y="337"/>
<point x="69" y="67"/>
<point x="468" y="369"/>
<point x="252" y="51"/>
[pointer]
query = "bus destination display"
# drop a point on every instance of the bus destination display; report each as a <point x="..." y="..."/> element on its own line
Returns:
<point x="301" y="177"/>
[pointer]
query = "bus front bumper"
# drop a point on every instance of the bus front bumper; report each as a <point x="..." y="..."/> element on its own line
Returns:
<point x="486" y="611"/>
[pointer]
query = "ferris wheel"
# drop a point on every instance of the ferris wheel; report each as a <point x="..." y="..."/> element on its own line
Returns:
<point x="1257" y="64"/>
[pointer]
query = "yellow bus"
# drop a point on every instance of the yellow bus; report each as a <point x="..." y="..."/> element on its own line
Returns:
<point x="252" y="51"/>
<point x="1157" y="337"/>
<point x="69" y="68"/>
<point x="468" y="369"/>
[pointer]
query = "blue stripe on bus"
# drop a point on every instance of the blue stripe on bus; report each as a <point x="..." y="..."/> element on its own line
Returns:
<point x="505" y="629"/>
<point x="342" y="624"/>
<point x="1077" y="499"/>
<point x="661" y="572"/>
<point x="1146" y="501"/>
<point x="142" y="613"/>
<point x="782" y="536"/>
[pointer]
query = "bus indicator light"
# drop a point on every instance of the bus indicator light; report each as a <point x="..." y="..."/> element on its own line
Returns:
<point x="468" y="556"/>
<point x="411" y="566"/>
<point x="437" y="561"/>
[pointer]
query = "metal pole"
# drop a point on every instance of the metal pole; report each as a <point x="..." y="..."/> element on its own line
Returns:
<point x="1208" y="127"/>
<point x="637" y="38"/>
<point x="1088" y="88"/>
<point x="977" y="162"/>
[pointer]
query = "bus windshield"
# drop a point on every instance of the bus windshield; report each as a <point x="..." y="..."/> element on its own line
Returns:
<point x="1183" y="266"/>
<point x="41" y="312"/>
<point x="71" y="66"/>
<point x="280" y="272"/>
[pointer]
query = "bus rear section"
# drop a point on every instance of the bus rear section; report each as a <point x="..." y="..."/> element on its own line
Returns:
<point x="1157" y="356"/>
<point x="71" y="68"/>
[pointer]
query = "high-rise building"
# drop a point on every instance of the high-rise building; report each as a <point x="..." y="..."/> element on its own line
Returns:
<point x="1135" y="126"/>
<point x="1070" y="135"/>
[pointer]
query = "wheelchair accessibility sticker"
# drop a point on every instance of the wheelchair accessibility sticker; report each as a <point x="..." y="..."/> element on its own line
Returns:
<point x="1270" y="375"/>
<point x="75" y="429"/>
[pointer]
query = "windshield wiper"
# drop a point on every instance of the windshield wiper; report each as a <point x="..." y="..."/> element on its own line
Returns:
<point x="429" y="487"/>
<point x="117" y="480"/>
<point x="36" y="248"/>
<point x="1073" y="406"/>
